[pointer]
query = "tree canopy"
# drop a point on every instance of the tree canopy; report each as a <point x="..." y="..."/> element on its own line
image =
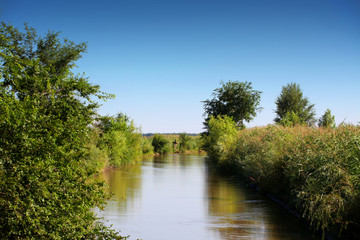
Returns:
<point x="45" y="113"/>
<point x="234" y="99"/>
<point x="327" y="120"/>
<point x="292" y="107"/>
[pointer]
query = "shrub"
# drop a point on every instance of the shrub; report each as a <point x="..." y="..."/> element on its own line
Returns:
<point x="96" y="159"/>
<point x="188" y="143"/>
<point x="146" y="146"/>
<point x="160" y="144"/>
<point x="120" y="139"/>
<point x="223" y="133"/>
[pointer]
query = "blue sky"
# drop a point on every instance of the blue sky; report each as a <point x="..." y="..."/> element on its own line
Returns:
<point x="162" y="58"/>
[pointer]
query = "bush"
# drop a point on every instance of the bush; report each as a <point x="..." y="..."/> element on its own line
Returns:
<point x="146" y="146"/>
<point x="120" y="139"/>
<point x="96" y="159"/>
<point x="188" y="143"/>
<point x="222" y="135"/>
<point x="160" y="144"/>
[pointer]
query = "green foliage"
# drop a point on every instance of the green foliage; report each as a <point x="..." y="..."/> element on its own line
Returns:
<point x="235" y="99"/>
<point x="223" y="133"/>
<point x="45" y="111"/>
<point x="292" y="105"/>
<point x="160" y="144"/>
<point x="96" y="159"/>
<point x="315" y="170"/>
<point x="291" y="119"/>
<point x="188" y="143"/>
<point x="120" y="139"/>
<point x="327" y="120"/>
<point x="146" y="146"/>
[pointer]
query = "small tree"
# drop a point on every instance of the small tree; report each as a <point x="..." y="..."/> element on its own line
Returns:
<point x="121" y="139"/>
<point x="234" y="99"/>
<point x="161" y="144"/>
<point x="185" y="142"/>
<point x="291" y="103"/>
<point x="327" y="120"/>
<point x="223" y="134"/>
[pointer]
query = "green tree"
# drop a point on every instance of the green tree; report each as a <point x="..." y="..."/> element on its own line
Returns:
<point x="121" y="139"/>
<point x="327" y="120"/>
<point x="291" y="102"/>
<point x="235" y="99"/>
<point x="223" y="133"/>
<point x="146" y="146"/>
<point x="45" y="113"/>
<point x="185" y="142"/>
<point x="291" y="119"/>
<point x="160" y="144"/>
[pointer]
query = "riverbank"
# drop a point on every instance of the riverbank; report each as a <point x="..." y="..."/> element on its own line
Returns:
<point x="313" y="170"/>
<point x="115" y="141"/>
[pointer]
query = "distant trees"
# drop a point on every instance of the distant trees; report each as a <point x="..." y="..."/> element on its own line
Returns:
<point x="293" y="108"/>
<point x="234" y="99"/>
<point x="45" y="113"/>
<point x="327" y="120"/>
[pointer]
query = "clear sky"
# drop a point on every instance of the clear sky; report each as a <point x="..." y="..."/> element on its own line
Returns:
<point x="162" y="58"/>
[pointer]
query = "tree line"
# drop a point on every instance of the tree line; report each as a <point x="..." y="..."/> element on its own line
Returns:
<point x="115" y="141"/>
<point x="241" y="102"/>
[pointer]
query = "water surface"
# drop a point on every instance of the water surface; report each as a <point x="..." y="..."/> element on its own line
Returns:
<point x="179" y="197"/>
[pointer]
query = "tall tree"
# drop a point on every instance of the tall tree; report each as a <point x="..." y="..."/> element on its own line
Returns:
<point x="327" y="120"/>
<point x="234" y="99"/>
<point x="45" y="111"/>
<point x="291" y="104"/>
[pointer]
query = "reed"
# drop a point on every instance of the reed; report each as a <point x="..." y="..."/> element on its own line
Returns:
<point x="314" y="170"/>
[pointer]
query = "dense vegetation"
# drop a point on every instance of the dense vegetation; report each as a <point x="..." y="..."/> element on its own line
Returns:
<point x="313" y="170"/>
<point x="45" y="113"/>
<point x="52" y="142"/>
<point x="114" y="141"/>
<point x="182" y="143"/>
<point x="52" y="145"/>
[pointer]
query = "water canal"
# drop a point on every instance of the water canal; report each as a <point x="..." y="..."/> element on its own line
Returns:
<point x="180" y="197"/>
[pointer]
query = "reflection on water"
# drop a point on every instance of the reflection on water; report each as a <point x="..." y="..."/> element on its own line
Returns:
<point x="241" y="213"/>
<point x="179" y="197"/>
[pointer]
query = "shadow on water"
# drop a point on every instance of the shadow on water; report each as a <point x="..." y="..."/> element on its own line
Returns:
<point x="181" y="197"/>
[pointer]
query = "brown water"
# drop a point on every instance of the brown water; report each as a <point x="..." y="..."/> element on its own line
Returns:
<point x="180" y="197"/>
